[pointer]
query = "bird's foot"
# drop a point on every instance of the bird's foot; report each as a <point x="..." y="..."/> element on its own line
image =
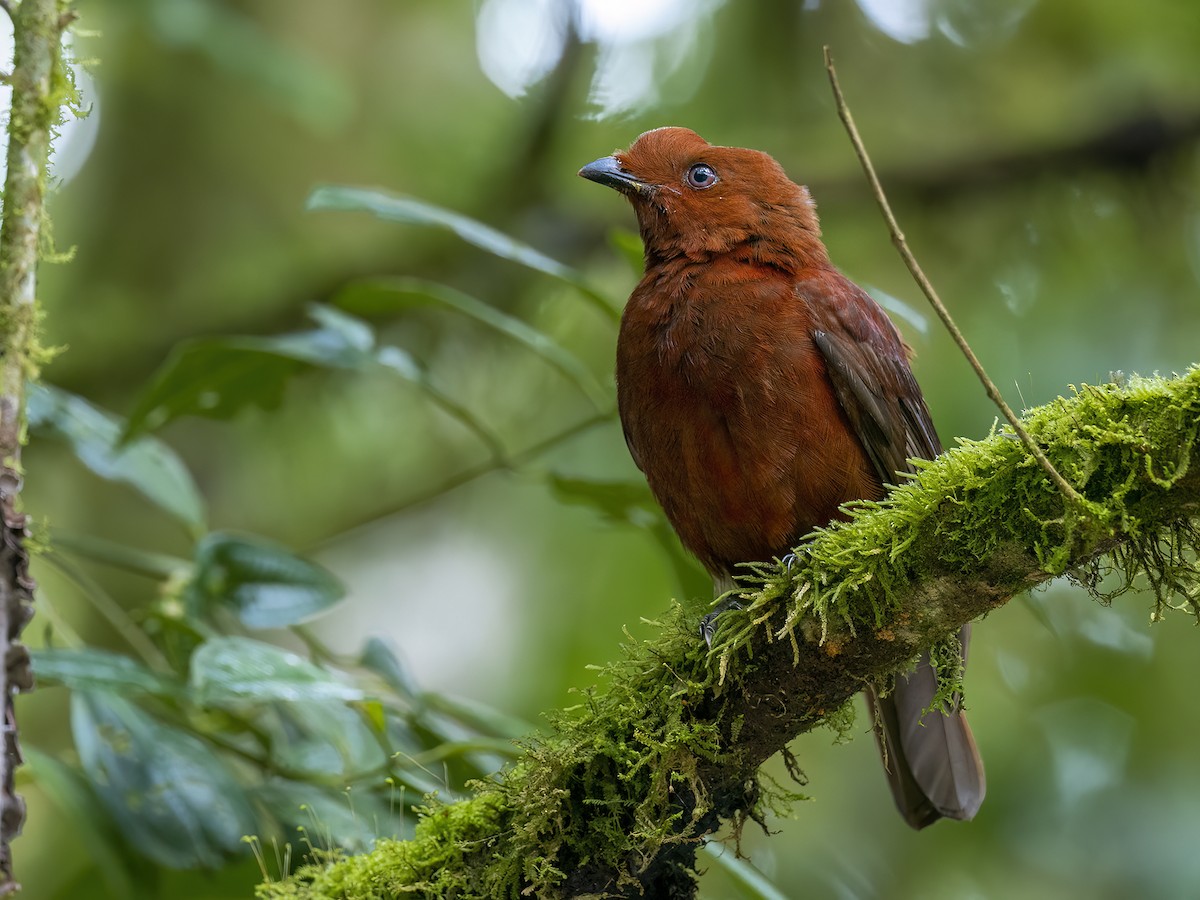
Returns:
<point x="708" y="625"/>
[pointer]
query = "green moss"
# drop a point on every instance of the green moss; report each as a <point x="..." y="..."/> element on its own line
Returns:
<point x="429" y="865"/>
<point x="654" y="757"/>
<point x="1122" y="446"/>
<point x="841" y="722"/>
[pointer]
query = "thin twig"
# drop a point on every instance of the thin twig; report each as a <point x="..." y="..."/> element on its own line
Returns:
<point x="514" y="462"/>
<point x="116" y="616"/>
<point x="926" y="287"/>
<point x="158" y="566"/>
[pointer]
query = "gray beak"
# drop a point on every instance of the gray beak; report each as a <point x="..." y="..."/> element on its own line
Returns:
<point x="608" y="171"/>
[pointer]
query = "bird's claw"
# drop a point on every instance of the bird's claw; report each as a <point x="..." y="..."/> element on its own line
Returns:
<point x="708" y="625"/>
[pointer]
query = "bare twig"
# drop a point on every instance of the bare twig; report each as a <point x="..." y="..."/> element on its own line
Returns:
<point x="926" y="287"/>
<point x="37" y="50"/>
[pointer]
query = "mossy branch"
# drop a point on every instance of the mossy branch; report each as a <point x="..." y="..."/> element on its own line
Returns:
<point x="38" y="89"/>
<point x="617" y="800"/>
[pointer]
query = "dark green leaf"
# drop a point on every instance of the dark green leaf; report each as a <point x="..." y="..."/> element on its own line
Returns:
<point x="171" y="797"/>
<point x="265" y="584"/>
<point x="328" y="737"/>
<point x="237" y="671"/>
<point x="409" y="210"/>
<point x="73" y="796"/>
<point x="87" y="668"/>
<point x="219" y="377"/>
<point x="147" y="464"/>
<point x="216" y="378"/>
<point x="395" y="295"/>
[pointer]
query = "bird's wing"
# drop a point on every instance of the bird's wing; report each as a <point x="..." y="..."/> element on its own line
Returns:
<point x="867" y="365"/>
<point x="933" y="767"/>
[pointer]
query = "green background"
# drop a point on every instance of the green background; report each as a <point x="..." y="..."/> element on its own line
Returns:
<point x="1042" y="158"/>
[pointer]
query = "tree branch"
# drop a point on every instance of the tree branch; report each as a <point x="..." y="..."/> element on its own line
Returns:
<point x="926" y="286"/>
<point x="618" y="799"/>
<point x="38" y="88"/>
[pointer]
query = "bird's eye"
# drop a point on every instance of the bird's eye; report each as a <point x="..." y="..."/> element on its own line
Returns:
<point x="701" y="176"/>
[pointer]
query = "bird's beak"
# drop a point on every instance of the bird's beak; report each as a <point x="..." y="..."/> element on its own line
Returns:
<point x="608" y="171"/>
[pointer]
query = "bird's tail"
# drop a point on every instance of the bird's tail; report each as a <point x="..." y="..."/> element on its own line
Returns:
<point x="931" y="762"/>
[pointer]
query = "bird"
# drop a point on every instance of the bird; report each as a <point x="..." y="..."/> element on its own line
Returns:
<point x="760" y="390"/>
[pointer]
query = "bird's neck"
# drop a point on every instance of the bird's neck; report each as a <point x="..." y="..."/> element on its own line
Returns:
<point x="789" y="258"/>
<point x="790" y="244"/>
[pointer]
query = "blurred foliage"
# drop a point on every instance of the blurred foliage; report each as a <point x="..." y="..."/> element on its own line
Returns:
<point x="421" y="405"/>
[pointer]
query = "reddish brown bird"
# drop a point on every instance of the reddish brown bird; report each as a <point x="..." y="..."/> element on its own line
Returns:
<point x="760" y="390"/>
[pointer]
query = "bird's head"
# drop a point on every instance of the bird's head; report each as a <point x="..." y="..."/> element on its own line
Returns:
<point x="697" y="200"/>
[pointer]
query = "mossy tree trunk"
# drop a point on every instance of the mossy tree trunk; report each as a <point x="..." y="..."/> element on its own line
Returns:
<point x="38" y="89"/>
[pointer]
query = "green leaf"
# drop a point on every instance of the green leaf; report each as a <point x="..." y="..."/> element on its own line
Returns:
<point x="409" y="210"/>
<point x="344" y="341"/>
<point x="476" y="716"/>
<point x="73" y="795"/>
<point x="240" y="671"/>
<point x="215" y="378"/>
<point x="393" y="295"/>
<point x="88" y="668"/>
<point x="625" y="502"/>
<point x="147" y="464"/>
<point x="219" y="377"/>
<point x="328" y="737"/>
<point x="380" y="656"/>
<point x="171" y="797"/>
<point x="374" y="714"/>
<point x="265" y="584"/>
<point x="342" y="819"/>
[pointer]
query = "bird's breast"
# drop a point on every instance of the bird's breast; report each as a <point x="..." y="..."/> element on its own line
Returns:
<point x="727" y="409"/>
